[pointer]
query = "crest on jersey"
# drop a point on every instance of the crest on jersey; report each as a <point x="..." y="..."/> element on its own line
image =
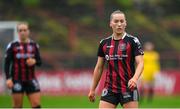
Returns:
<point x="122" y="47"/>
<point x="29" y="48"/>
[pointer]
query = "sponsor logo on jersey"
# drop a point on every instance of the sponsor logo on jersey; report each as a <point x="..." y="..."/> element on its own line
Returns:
<point x="115" y="57"/>
<point x="110" y="46"/>
<point x="19" y="47"/>
<point x="24" y="56"/>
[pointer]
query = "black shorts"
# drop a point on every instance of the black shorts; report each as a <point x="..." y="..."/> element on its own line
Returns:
<point x="28" y="87"/>
<point x="122" y="98"/>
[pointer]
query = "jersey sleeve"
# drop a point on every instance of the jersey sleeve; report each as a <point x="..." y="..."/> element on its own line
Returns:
<point x="8" y="60"/>
<point x="137" y="47"/>
<point x="100" y="50"/>
<point x="37" y="55"/>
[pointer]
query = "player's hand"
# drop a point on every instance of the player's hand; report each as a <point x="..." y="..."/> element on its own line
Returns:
<point x="132" y="83"/>
<point x="31" y="61"/>
<point x="9" y="83"/>
<point x="91" y="96"/>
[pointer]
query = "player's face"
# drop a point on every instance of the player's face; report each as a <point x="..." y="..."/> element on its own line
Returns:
<point x="23" y="31"/>
<point x="118" y="23"/>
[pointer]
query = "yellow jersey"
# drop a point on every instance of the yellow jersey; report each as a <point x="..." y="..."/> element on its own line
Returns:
<point x="151" y="65"/>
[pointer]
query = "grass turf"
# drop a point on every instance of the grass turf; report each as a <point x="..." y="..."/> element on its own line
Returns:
<point x="82" y="102"/>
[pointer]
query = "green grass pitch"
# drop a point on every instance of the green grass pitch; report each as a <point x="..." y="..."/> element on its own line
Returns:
<point x="82" y="102"/>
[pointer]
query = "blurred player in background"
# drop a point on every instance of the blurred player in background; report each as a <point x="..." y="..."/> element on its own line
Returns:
<point x="151" y="68"/>
<point x="121" y="51"/>
<point x="20" y="60"/>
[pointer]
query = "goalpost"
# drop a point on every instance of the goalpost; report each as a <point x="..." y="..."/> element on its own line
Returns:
<point x="9" y="25"/>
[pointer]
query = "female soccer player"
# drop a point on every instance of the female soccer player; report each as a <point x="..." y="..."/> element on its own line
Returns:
<point x="20" y="60"/>
<point x="121" y="51"/>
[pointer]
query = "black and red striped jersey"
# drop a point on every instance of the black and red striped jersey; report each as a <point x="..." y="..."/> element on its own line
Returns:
<point x="16" y="55"/>
<point x="120" y="58"/>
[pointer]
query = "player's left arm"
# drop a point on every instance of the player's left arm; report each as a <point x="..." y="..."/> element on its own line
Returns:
<point x="138" y="53"/>
<point x="36" y="60"/>
<point x="139" y="69"/>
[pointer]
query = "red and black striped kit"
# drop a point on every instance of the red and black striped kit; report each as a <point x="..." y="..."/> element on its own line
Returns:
<point x="120" y="58"/>
<point x="15" y="60"/>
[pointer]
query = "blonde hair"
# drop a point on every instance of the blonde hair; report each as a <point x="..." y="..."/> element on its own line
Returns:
<point x="22" y="23"/>
<point x="116" y="12"/>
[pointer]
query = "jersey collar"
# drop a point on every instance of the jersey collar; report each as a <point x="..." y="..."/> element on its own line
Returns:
<point x="124" y="35"/>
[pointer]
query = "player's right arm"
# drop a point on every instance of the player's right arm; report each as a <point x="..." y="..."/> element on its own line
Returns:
<point x="97" y="72"/>
<point x="8" y="60"/>
<point x="96" y="77"/>
<point x="38" y="56"/>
